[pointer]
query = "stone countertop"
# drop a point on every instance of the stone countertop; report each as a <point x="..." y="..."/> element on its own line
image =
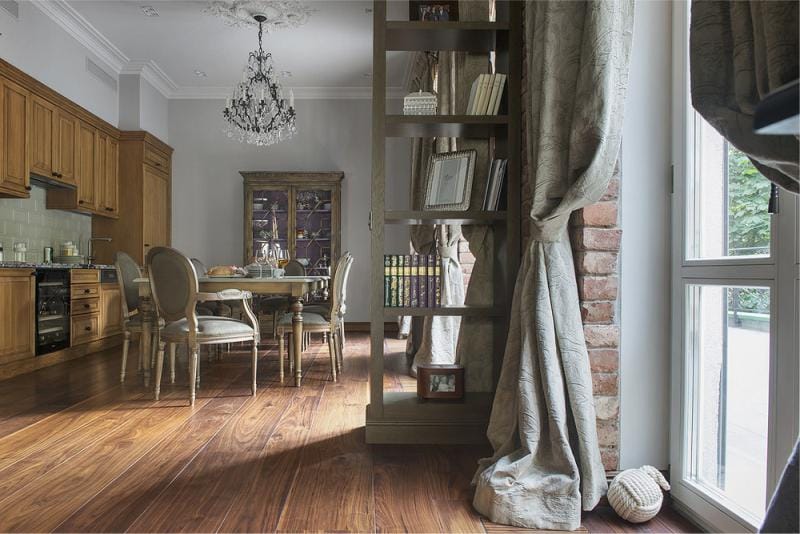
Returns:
<point x="25" y="265"/>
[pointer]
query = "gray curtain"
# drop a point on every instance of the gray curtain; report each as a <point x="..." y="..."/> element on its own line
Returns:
<point x="739" y="52"/>
<point x="546" y="466"/>
<point x="434" y="341"/>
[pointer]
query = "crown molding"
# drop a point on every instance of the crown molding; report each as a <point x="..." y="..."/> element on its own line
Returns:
<point x="82" y="31"/>
<point x="155" y="75"/>
<point x="300" y="93"/>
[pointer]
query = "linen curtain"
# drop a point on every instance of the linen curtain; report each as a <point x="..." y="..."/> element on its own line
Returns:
<point x="546" y="466"/>
<point x="739" y="52"/>
<point x="434" y="340"/>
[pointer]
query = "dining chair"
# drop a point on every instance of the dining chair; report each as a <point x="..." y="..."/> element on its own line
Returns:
<point x="127" y="272"/>
<point x="294" y="268"/>
<point x="174" y="286"/>
<point x="324" y="308"/>
<point x="316" y="323"/>
<point x="220" y="308"/>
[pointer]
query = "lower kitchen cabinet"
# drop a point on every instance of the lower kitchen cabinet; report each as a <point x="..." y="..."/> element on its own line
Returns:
<point x="17" y="309"/>
<point x="110" y="310"/>
<point x="85" y="328"/>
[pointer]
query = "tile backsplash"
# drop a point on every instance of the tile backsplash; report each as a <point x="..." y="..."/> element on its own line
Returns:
<point x="27" y="220"/>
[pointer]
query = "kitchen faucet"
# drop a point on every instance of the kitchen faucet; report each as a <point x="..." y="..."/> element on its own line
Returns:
<point x="89" y="257"/>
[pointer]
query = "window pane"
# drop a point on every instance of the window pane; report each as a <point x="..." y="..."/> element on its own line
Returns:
<point x="728" y="337"/>
<point x="727" y="201"/>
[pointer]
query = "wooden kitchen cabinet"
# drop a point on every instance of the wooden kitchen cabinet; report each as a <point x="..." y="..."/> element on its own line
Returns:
<point x="17" y="310"/>
<point x="65" y="147"/>
<point x="108" y="179"/>
<point x="53" y="142"/>
<point x="15" y="104"/>
<point x="145" y="208"/>
<point x="110" y="310"/>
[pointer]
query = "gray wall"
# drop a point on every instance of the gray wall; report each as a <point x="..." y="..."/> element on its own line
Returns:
<point x="645" y="255"/>
<point x="333" y="135"/>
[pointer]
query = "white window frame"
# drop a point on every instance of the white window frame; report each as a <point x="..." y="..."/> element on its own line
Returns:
<point x="780" y="272"/>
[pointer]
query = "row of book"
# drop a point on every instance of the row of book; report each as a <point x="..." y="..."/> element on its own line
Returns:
<point x="411" y="281"/>
<point x="495" y="185"/>
<point x="486" y="94"/>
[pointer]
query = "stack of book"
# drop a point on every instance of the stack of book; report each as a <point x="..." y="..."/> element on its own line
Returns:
<point x="495" y="185"/>
<point x="411" y="281"/>
<point x="486" y="94"/>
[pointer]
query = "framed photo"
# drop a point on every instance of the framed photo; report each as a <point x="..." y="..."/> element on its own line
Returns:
<point x="440" y="382"/>
<point x="449" y="180"/>
<point x="433" y="11"/>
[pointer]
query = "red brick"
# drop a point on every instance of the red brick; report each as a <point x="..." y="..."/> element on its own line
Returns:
<point x="597" y="239"/>
<point x="610" y="457"/>
<point x="608" y="433"/>
<point x="601" y="335"/>
<point x="597" y="214"/>
<point x="599" y="312"/>
<point x="605" y="384"/>
<point x="612" y="191"/>
<point x="604" y="360"/>
<point x="595" y="262"/>
<point x="598" y="287"/>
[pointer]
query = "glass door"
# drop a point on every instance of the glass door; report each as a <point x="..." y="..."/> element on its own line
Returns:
<point x="314" y="208"/>
<point x="270" y="221"/>
<point x="734" y="322"/>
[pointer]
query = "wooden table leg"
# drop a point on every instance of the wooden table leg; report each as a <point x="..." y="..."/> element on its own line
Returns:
<point x="297" y="337"/>
<point x="144" y="350"/>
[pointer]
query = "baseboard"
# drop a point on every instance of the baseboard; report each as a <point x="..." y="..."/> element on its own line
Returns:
<point x="388" y="327"/>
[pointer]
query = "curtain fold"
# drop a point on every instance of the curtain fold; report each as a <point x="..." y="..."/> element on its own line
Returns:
<point x="739" y="52"/>
<point x="546" y="467"/>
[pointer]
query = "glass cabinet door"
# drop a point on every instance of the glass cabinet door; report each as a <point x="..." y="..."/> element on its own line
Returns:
<point x="313" y="225"/>
<point x="270" y="220"/>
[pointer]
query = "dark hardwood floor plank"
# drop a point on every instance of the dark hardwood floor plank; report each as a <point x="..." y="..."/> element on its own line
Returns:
<point x="198" y="499"/>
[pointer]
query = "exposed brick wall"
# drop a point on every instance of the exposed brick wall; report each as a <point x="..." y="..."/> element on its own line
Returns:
<point x="596" y="239"/>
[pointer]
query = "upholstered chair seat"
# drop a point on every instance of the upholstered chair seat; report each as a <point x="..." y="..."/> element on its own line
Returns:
<point x="208" y="327"/>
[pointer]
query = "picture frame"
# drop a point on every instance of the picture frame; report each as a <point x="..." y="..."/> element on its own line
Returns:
<point x="449" y="180"/>
<point x="440" y="381"/>
<point x="433" y="10"/>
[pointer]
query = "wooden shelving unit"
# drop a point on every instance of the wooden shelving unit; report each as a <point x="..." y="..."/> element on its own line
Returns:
<point x="400" y="417"/>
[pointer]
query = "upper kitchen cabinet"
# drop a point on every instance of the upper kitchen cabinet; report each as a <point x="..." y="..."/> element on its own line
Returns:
<point x="53" y="142"/>
<point x="96" y="175"/>
<point x="15" y="106"/>
<point x="145" y="208"/>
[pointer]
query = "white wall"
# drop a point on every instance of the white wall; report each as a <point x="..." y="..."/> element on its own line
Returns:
<point x="153" y="111"/>
<point x="39" y="47"/>
<point x="207" y="194"/>
<point x="645" y="254"/>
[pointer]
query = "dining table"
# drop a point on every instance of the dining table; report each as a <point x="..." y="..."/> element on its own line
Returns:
<point x="295" y="288"/>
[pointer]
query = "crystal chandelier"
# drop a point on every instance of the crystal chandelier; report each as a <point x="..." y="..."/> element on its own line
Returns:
<point x="257" y="113"/>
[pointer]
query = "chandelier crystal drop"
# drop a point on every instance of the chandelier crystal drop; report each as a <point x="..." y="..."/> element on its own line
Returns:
<point x="257" y="113"/>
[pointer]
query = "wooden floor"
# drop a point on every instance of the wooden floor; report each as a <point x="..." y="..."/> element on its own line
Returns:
<point x="79" y="452"/>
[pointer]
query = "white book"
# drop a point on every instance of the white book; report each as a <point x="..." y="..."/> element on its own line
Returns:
<point x="499" y="99"/>
<point x="484" y="91"/>
<point x="493" y="97"/>
<point x="497" y="184"/>
<point x="472" y="96"/>
<point x="481" y="81"/>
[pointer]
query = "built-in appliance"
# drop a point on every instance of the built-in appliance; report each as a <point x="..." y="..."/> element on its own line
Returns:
<point x="52" y="310"/>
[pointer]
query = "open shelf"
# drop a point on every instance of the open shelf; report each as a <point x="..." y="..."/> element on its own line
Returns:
<point x="422" y="35"/>
<point x="445" y="217"/>
<point x="459" y="311"/>
<point x="475" y="126"/>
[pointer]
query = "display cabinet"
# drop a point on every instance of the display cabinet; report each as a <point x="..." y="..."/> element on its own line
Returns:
<point x="299" y="211"/>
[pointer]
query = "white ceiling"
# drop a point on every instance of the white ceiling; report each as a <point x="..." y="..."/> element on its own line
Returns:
<point x="332" y="53"/>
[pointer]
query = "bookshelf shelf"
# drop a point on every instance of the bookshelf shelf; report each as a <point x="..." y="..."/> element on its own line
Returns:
<point x="453" y="311"/>
<point x="401" y="417"/>
<point x="464" y="36"/>
<point x="445" y="217"/>
<point x="476" y="126"/>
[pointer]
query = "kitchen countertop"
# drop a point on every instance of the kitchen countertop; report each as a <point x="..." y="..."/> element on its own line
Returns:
<point x="25" y="265"/>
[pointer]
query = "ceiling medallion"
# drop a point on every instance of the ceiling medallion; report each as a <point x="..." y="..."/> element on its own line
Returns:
<point x="257" y="113"/>
<point x="278" y="14"/>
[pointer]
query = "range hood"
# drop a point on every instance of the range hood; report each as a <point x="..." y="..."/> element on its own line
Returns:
<point x="48" y="182"/>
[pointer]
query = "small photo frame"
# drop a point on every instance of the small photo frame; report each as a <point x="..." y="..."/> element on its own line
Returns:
<point x="440" y="382"/>
<point x="433" y="11"/>
<point x="449" y="180"/>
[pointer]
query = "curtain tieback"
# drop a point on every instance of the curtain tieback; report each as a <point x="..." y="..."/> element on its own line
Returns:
<point x="550" y="229"/>
<point x="448" y="252"/>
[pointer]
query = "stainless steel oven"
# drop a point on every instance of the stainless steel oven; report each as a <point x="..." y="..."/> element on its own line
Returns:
<point x="52" y="310"/>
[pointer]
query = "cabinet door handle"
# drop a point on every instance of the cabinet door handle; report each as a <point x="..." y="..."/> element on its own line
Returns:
<point x="109" y="209"/>
<point x="27" y="188"/>
<point x="87" y="291"/>
<point x="88" y="328"/>
<point x="80" y="202"/>
<point x="54" y="173"/>
<point x="86" y="306"/>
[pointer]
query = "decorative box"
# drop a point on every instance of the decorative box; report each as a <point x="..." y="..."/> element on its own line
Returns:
<point x="420" y="103"/>
<point x="440" y="381"/>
